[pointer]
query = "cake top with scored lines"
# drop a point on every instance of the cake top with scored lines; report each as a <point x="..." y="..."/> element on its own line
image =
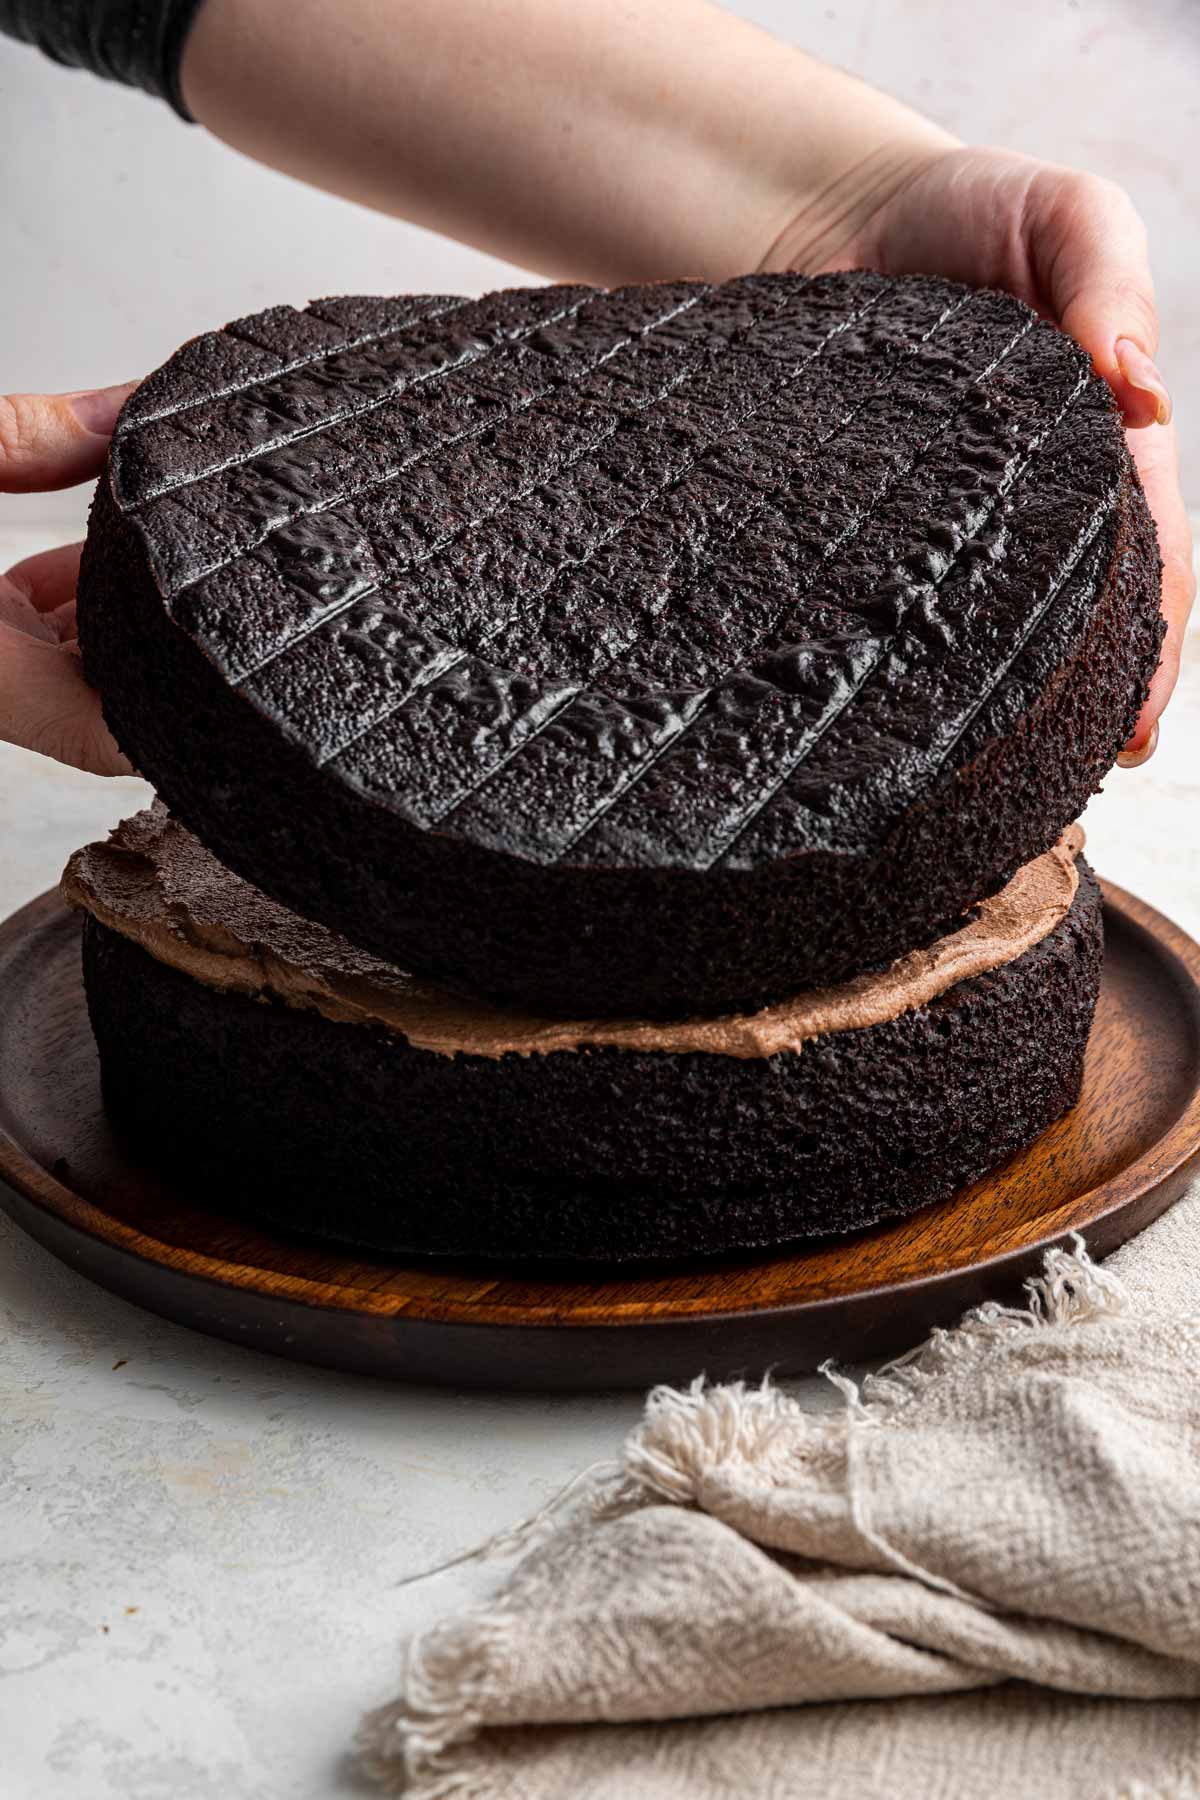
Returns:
<point x="678" y="574"/>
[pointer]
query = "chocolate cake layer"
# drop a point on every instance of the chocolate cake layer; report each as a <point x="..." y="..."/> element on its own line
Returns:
<point x="657" y="651"/>
<point x="353" y="1131"/>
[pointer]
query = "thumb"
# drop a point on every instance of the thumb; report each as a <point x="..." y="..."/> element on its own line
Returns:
<point x="54" y="440"/>
<point x="1087" y="243"/>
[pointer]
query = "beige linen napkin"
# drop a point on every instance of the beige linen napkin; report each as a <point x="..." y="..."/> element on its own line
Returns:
<point x="989" y="1557"/>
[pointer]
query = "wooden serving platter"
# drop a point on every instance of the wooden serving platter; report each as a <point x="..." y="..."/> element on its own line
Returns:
<point x="1107" y="1169"/>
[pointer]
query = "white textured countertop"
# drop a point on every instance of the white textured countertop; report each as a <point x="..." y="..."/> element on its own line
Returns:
<point x="201" y="1545"/>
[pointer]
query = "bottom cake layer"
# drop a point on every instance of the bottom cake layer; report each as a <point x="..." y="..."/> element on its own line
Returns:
<point x="349" y="1131"/>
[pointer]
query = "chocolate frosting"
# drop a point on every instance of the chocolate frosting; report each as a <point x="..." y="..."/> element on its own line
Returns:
<point x="156" y="884"/>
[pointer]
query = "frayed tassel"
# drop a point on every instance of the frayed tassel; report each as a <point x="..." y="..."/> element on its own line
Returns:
<point x="1071" y="1290"/>
<point x="686" y="1434"/>
<point x="418" y="1737"/>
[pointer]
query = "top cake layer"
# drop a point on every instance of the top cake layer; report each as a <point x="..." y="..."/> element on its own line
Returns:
<point x="654" y="650"/>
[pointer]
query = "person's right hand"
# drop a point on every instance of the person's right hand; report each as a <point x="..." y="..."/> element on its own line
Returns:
<point x="52" y="441"/>
<point x="1074" y="248"/>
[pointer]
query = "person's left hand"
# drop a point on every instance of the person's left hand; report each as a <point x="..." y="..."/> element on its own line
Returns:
<point x="1074" y="247"/>
<point x="52" y="441"/>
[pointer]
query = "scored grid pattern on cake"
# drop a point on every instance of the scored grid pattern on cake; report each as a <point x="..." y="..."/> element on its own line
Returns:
<point x="139" y="417"/>
<point x="682" y="723"/>
<point x="540" y="718"/>
<point x="512" y="499"/>
<point x="466" y="359"/>
<point x="1007" y="483"/>
<point x="602" y="542"/>
<point x="705" y="694"/>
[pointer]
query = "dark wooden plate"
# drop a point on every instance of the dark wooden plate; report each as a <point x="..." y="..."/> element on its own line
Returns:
<point x="1115" y="1163"/>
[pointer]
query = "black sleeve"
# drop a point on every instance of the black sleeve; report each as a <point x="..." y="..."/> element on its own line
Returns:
<point x="139" y="42"/>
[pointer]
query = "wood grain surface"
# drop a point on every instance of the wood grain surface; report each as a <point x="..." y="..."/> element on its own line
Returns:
<point x="1117" y="1160"/>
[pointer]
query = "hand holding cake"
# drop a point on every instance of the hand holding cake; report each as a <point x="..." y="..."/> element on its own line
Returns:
<point x="658" y="139"/>
<point x="52" y="441"/>
<point x="1073" y="247"/>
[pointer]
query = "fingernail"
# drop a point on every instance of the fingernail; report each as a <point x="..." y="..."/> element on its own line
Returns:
<point x="1139" y="371"/>
<point x="97" y="408"/>
<point x="1133" y="759"/>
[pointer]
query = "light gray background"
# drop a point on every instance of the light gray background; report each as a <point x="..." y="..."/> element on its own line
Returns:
<point x="199" y="1546"/>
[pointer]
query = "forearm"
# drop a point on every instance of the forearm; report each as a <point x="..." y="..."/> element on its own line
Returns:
<point x="606" y="140"/>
